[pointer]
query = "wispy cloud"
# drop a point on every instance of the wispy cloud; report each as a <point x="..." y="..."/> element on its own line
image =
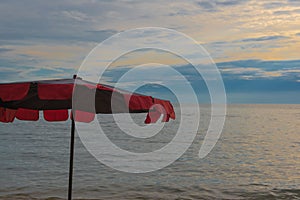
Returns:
<point x="76" y="15"/>
<point x="256" y="69"/>
<point x="240" y="70"/>
<point x="294" y="2"/>
<point x="274" y="4"/>
<point x="250" y="47"/>
<point x="13" y="71"/>
<point x="4" y="50"/>
<point x="263" y="38"/>
<point x="214" y="5"/>
<point x="254" y="40"/>
<point x="287" y="12"/>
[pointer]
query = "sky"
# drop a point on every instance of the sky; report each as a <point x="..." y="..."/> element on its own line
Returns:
<point x="254" y="43"/>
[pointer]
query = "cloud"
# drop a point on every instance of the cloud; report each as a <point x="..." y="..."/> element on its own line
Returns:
<point x="234" y="70"/>
<point x="208" y="5"/>
<point x="274" y="79"/>
<point x="181" y="12"/>
<point x="56" y="20"/>
<point x="76" y="15"/>
<point x="264" y="38"/>
<point x="249" y="48"/>
<point x="252" y="39"/>
<point x="258" y="69"/>
<point x="4" y="50"/>
<point x="294" y="2"/>
<point x="240" y="70"/>
<point x="274" y="4"/>
<point x="215" y="4"/>
<point x="287" y="12"/>
<point x="65" y="37"/>
<point x="78" y="22"/>
<point x="12" y="71"/>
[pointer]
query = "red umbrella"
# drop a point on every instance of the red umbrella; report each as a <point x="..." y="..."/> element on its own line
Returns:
<point x="24" y="100"/>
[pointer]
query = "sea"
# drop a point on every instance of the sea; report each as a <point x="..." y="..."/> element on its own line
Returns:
<point x="256" y="157"/>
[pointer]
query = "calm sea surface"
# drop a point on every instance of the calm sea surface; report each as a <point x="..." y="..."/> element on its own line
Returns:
<point x="257" y="157"/>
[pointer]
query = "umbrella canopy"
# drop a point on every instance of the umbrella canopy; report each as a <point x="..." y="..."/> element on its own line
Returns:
<point x="23" y="100"/>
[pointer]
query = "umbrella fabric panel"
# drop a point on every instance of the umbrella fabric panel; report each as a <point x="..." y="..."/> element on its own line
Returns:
<point x="13" y="91"/>
<point x="168" y="109"/>
<point x="56" y="115"/>
<point x="154" y="115"/>
<point x="136" y="102"/>
<point x="27" y="114"/>
<point x="81" y="116"/>
<point x="7" y="115"/>
<point x="160" y="107"/>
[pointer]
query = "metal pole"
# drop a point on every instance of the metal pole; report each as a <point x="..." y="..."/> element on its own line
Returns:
<point x="71" y="151"/>
<point x="71" y="159"/>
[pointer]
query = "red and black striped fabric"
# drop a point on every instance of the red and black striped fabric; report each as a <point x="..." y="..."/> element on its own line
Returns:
<point x="24" y="100"/>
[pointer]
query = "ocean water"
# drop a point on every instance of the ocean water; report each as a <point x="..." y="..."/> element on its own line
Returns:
<point x="257" y="157"/>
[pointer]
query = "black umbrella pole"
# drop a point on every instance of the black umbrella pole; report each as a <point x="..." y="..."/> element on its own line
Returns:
<point x="71" y="159"/>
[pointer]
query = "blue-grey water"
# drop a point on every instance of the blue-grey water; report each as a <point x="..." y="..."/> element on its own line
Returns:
<point x="257" y="157"/>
